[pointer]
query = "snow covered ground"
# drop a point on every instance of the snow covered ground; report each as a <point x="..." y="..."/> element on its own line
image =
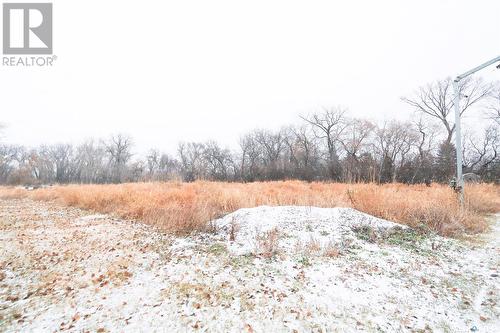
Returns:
<point x="265" y="269"/>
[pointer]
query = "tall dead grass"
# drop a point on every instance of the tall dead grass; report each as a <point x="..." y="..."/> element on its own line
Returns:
<point x="184" y="207"/>
<point x="435" y="208"/>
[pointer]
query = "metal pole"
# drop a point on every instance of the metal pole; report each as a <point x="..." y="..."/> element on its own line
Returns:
<point x="458" y="132"/>
<point x="458" y="143"/>
<point x="478" y="68"/>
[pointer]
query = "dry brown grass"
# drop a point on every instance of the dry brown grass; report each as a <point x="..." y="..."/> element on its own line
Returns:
<point x="435" y="208"/>
<point x="332" y="251"/>
<point x="267" y="243"/>
<point x="184" y="207"/>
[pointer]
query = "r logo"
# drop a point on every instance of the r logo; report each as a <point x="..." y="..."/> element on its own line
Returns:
<point x="27" y="28"/>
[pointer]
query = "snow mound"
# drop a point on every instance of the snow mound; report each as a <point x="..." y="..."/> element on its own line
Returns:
<point x="295" y="225"/>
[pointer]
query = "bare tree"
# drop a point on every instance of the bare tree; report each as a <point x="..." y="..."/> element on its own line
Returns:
<point x="191" y="159"/>
<point x="19" y="157"/>
<point x="425" y="144"/>
<point x="160" y="166"/>
<point x="39" y="164"/>
<point x="8" y="166"/>
<point x="153" y="163"/>
<point x="61" y="155"/>
<point x="89" y="162"/>
<point x="272" y="145"/>
<point x="493" y="110"/>
<point x="393" y="141"/>
<point x="355" y="140"/>
<point x="169" y="167"/>
<point x="136" y="171"/>
<point x="329" y="126"/>
<point x="219" y="162"/>
<point x="118" y="148"/>
<point x="250" y="156"/>
<point x="436" y="100"/>
<point x="479" y="154"/>
<point x="302" y="153"/>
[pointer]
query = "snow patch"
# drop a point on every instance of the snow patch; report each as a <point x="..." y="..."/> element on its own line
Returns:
<point x="296" y="225"/>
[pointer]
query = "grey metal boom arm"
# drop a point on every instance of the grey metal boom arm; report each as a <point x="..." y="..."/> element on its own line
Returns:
<point x="478" y="68"/>
<point x="458" y="134"/>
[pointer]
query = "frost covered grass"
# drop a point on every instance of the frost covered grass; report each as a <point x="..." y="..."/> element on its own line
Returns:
<point x="263" y="269"/>
<point x="185" y="207"/>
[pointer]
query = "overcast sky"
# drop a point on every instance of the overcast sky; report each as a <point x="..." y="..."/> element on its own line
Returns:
<point x="167" y="71"/>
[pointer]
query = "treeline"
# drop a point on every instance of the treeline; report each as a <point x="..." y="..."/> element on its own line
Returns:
<point x="326" y="145"/>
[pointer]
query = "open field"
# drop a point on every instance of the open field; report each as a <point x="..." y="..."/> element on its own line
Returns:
<point x="184" y="207"/>
<point x="264" y="257"/>
<point x="265" y="269"/>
